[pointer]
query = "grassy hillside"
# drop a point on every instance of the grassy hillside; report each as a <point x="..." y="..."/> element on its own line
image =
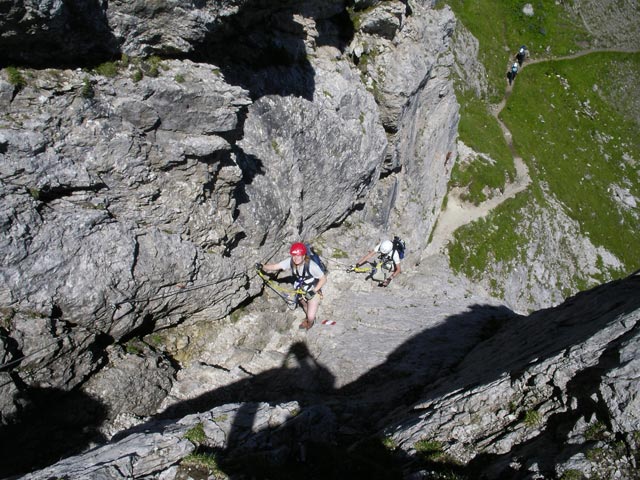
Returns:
<point x="501" y="27"/>
<point x="581" y="145"/>
<point x="480" y="131"/>
<point x="575" y="123"/>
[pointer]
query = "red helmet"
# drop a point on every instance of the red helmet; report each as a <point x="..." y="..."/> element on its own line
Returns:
<point x="298" y="249"/>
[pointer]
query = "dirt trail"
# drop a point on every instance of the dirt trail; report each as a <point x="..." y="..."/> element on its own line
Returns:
<point x="458" y="212"/>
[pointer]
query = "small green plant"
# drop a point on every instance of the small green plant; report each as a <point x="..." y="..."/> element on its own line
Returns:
<point x="156" y="340"/>
<point x="107" y="69"/>
<point x="531" y="418"/>
<point x="87" y="88"/>
<point x="276" y="147"/>
<point x="152" y="66"/>
<point x="595" y="454"/>
<point x="572" y="474"/>
<point x="338" y="253"/>
<point x="137" y="75"/>
<point x="389" y="443"/>
<point x="205" y="461"/>
<point x="196" y="434"/>
<point x="596" y="431"/>
<point x="430" y="450"/>
<point x="133" y="348"/>
<point x="35" y="193"/>
<point x="179" y="78"/>
<point x="16" y="78"/>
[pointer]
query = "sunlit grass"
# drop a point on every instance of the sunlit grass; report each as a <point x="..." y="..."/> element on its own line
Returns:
<point x="501" y="27"/>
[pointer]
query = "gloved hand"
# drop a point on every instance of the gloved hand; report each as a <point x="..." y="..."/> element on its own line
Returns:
<point x="309" y="295"/>
<point x="259" y="266"/>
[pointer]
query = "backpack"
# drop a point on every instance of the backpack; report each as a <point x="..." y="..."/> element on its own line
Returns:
<point x="399" y="246"/>
<point x="313" y="256"/>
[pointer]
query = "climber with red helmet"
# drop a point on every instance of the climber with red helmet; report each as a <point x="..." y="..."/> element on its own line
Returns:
<point x="387" y="266"/>
<point x="308" y="276"/>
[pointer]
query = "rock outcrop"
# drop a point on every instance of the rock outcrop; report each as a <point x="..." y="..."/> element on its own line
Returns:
<point x="545" y="395"/>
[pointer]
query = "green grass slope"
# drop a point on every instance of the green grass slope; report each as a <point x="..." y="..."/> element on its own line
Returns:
<point x="574" y="120"/>
<point x="581" y="145"/>
<point x="501" y="26"/>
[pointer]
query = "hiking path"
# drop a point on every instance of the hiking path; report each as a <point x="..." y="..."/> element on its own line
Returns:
<point x="458" y="212"/>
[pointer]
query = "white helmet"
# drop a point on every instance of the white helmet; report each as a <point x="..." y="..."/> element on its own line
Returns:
<point x="386" y="247"/>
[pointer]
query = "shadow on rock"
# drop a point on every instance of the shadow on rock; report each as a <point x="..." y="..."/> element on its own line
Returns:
<point x="339" y="432"/>
<point x="262" y="47"/>
<point x="70" y="33"/>
<point x="300" y="378"/>
<point x="51" y="424"/>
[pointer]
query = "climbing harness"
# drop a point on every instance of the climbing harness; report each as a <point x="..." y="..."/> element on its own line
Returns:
<point x="289" y="295"/>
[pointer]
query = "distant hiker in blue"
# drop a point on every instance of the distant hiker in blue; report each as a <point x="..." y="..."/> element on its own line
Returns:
<point x="511" y="74"/>
<point x="308" y="276"/>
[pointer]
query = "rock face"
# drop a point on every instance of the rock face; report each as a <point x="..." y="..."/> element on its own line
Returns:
<point x="417" y="107"/>
<point x="610" y="23"/>
<point x="564" y="399"/>
<point x="138" y="194"/>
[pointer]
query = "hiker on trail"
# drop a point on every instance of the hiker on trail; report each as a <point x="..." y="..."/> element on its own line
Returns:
<point x="308" y="276"/>
<point x="511" y="75"/>
<point x="387" y="266"/>
<point x="521" y="55"/>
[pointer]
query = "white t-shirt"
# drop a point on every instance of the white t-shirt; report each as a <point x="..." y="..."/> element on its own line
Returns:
<point x="314" y="269"/>
<point x="396" y="255"/>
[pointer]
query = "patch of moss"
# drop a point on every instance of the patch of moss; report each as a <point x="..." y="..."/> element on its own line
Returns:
<point x="16" y="78"/>
<point x="87" y="88"/>
<point x="196" y="434"/>
<point x="107" y="69"/>
<point x="339" y="253"/>
<point x="572" y="474"/>
<point x="429" y="449"/>
<point x="531" y="418"/>
<point x="202" y="461"/>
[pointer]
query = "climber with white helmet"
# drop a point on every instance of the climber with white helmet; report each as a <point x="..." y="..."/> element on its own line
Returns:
<point x="387" y="266"/>
<point x="309" y="278"/>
